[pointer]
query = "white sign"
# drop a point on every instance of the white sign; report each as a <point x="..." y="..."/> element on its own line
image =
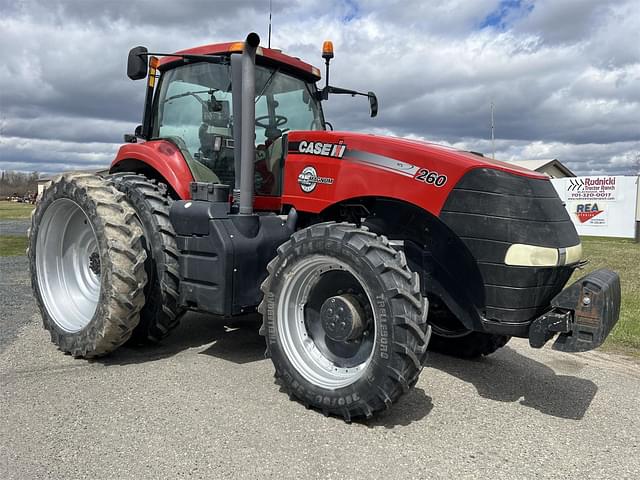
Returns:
<point x="591" y="188"/>
<point x="600" y="206"/>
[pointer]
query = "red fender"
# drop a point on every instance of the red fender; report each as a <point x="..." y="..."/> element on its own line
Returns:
<point x="163" y="157"/>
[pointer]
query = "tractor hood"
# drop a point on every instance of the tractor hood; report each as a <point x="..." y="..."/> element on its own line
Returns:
<point x="447" y="160"/>
<point x="352" y="165"/>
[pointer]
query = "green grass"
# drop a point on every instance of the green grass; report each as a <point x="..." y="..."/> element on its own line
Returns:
<point x="622" y="256"/>
<point x="14" y="211"/>
<point x="12" y="245"/>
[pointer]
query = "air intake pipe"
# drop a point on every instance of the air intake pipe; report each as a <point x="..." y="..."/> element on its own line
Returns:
<point x="248" y="124"/>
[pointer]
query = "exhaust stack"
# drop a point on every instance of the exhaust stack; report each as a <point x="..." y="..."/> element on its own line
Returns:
<point x="248" y="124"/>
<point x="236" y="100"/>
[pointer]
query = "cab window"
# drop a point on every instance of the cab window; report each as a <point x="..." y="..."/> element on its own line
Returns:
<point x="194" y="110"/>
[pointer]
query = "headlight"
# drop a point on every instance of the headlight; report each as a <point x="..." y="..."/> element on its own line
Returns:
<point x="533" y="256"/>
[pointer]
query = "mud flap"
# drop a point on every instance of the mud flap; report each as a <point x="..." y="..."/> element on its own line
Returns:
<point x="584" y="314"/>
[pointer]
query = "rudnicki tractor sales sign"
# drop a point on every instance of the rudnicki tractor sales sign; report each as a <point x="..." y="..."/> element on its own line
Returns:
<point x="600" y="206"/>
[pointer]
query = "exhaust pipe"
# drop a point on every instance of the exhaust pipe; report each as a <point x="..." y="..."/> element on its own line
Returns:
<point x="236" y="100"/>
<point x="248" y="124"/>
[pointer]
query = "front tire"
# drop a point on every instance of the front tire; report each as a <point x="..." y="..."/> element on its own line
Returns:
<point x="451" y="337"/>
<point x="471" y="345"/>
<point x="87" y="265"/>
<point x="344" y="320"/>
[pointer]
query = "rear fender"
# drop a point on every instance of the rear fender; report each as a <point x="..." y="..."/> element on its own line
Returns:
<point x="157" y="158"/>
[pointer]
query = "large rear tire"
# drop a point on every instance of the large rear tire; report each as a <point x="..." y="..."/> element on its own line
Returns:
<point x="344" y="320"/>
<point x="150" y="201"/>
<point x="87" y="265"/>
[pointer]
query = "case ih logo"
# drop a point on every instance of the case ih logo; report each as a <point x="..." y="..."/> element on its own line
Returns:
<point x="335" y="150"/>
<point x="586" y="211"/>
<point x="308" y="179"/>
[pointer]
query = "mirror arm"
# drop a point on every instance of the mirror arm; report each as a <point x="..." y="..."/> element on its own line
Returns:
<point x="324" y="93"/>
<point x="346" y="91"/>
<point x="188" y="56"/>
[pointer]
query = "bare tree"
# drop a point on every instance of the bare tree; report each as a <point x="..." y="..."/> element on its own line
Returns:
<point x="18" y="183"/>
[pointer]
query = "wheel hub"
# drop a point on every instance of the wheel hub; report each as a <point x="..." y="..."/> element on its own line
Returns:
<point x="342" y="318"/>
<point x="330" y="347"/>
<point x="94" y="263"/>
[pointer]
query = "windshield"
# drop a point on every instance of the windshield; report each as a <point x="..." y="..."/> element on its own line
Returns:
<point x="194" y="109"/>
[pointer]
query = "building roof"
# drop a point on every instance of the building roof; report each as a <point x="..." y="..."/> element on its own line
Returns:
<point x="544" y="164"/>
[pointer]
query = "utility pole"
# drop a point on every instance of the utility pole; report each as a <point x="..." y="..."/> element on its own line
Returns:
<point x="493" y="138"/>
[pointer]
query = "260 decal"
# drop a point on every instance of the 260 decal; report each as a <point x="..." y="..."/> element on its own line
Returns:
<point x="430" y="177"/>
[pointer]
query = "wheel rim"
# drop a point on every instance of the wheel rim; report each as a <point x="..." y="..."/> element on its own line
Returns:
<point x="324" y="362"/>
<point x="68" y="265"/>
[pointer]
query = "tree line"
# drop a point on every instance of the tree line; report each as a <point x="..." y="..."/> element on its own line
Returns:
<point x="18" y="183"/>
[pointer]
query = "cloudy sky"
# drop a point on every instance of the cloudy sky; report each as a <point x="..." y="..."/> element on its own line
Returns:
<point x="564" y="75"/>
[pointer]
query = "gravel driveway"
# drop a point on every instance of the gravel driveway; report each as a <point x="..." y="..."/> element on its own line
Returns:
<point x="204" y="405"/>
<point x="14" y="227"/>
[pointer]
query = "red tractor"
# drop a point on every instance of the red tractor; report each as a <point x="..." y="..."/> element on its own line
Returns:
<point x="235" y="195"/>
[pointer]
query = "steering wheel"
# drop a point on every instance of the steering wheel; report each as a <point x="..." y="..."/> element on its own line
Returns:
<point x="279" y="121"/>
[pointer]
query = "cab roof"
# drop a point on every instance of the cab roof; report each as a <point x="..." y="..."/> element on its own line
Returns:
<point x="268" y="55"/>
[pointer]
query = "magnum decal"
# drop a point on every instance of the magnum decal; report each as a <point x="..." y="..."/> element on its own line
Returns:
<point x="308" y="179"/>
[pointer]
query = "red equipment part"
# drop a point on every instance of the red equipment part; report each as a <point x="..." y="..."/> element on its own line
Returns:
<point x="419" y="173"/>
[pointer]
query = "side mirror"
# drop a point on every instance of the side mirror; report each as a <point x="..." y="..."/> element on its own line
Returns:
<point x="137" y="63"/>
<point x="133" y="138"/>
<point x="373" y="103"/>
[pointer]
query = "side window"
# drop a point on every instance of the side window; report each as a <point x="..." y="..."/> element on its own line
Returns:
<point x="299" y="113"/>
<point x="181" y="117"/>
<point x="261" y="111"/>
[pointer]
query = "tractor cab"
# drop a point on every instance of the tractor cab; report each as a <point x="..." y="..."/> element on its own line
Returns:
<point x="190" y="103"/>
<point x="194" y="109"/>
<point x="194" y="102"/>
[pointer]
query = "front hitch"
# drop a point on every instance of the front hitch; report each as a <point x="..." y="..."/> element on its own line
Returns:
<point x="584" y="314"/>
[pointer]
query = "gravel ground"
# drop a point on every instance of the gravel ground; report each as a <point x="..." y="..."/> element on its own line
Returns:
<point x="17" y="305"/>
<point x="204" y="405"/>
<point x="14" y="227"/>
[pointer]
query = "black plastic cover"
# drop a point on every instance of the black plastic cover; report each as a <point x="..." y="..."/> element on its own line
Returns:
<point x="490" y="210"/>
<point x="223" y="258"/>
<point x="209" y="192"/>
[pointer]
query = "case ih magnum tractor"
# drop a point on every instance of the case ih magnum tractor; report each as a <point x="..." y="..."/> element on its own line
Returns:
<point x="234" y="196"/>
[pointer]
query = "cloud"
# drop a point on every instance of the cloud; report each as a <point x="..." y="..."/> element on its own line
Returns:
<point x="564" y="76"/>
